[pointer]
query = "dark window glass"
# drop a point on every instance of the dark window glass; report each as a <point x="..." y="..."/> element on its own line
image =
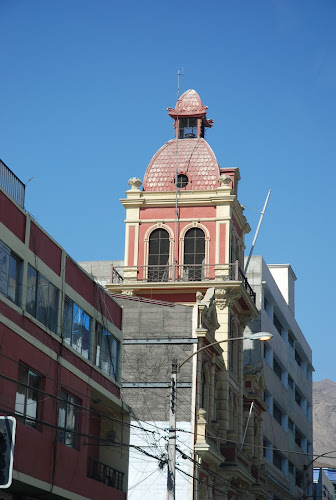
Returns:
<point x="187" y="128"/>
<point x="277" y="459"/>
<point x="290" y="382"/>
<point x="107" y="352"/>
<point x="298" y="438"/>
<point x="68" y="420"/>
<point x="290" y="468"/>
<point x="277" y="368"/>
<point x="10" y="274"/>
<point x="298" y="358"/>
<point x="290" y="425"/>
<point x="277" y="323"/>
<point x="265" y="303"/>
<point x="290" y="339"/>
<point x="77" y="327"/>
<point x="299" y="479"/>
<point x="42" y="299"/>
<point x="194" y="254"/>
<point x="27" y="401"/>
<point x="158" y="258"/>
<point x="298" y="397"/>
<point x="277" y="414"/>
<point x="181" y="181"/>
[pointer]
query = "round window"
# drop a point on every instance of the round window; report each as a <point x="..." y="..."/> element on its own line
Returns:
<point x="181" y="181"/>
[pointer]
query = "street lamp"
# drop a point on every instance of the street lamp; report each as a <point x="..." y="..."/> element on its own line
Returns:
<point x="263" y="336"/>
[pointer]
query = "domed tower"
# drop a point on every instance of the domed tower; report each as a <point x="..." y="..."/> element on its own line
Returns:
<point x="185" y="229"/>
<point x="185" y="235"/>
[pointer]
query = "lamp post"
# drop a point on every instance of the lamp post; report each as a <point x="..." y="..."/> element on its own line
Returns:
<point x="172" y="413"/>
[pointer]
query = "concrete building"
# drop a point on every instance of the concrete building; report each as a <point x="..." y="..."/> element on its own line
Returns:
<point x="286" y="361"/>
<point x="324" y="479"/>
<point x="156" y="333"/>
<point x="60" y="365"/>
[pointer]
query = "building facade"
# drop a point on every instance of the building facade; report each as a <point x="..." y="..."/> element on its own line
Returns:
<point x="60" y="365"/>
<point x="185" y="235"/>
<point x="286" y="361"/>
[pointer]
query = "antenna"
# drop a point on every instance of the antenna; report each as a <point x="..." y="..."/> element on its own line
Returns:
<point x="257" y="231"/>
<point x="179" y="74"/>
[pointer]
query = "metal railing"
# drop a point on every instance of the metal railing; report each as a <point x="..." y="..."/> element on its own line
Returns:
<point x="105" y="474"/>
<point x="181" y="273"/>
<point x="12" y="184"/>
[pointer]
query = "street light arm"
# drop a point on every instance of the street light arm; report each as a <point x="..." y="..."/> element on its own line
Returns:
<point x="261" y="336"/>
<point x="318" y="456"/>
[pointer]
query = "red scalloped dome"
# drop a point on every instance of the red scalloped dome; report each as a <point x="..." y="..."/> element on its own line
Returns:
<point x="195" y="159"/>
<point x="190" y="103"/>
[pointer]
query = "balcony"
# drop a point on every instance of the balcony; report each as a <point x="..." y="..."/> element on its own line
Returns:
<point x="181" y="273"/>
<point x="105" y="474"/>
<point x="12" y="184"/>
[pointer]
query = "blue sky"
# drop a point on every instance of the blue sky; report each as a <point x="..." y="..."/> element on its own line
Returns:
<point x="84" y="91"/>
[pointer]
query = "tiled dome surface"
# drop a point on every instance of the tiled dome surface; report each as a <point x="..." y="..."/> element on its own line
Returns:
<point x="190" y="103"/>
<point x="195" y="159"/>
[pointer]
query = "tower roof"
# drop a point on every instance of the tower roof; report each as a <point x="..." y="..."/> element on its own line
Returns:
<point x="189" y="104"/>
<point x="195" y="159"/>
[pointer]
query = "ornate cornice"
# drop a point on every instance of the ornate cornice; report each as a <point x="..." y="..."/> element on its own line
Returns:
<point x="225" y="297"/>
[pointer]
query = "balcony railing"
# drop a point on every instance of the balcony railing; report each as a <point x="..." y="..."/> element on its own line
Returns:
<point x="105" y="474"/>
<point x="181" y="273"/>
<point x="12" y="184"/>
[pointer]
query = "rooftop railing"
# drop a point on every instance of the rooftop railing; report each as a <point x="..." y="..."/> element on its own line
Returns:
<point x="181" y="273"/>
<point x="12" y="184"/>
<point x="105" y="474"/>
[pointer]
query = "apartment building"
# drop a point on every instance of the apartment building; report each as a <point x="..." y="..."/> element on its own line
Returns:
<point x="60" y="353"/>
<point x="287" y="363"/>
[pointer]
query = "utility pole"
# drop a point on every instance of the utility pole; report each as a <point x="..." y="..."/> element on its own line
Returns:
<point x="172" y="435"/>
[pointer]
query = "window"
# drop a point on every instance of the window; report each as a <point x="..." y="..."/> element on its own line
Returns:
<point x="298" y="397"/>
<point x="42" y="299"/>
<point x="268" y="400"/>
<point x="277" y="460"/>
<point x="181" y="181"/>
<point x="290" y="382"/>
<point x="27" y="402"/>
<point x="277" y="323"/>
<point x="277" y="413"/>
<point x="290" y="425"/>
<point x="107" y="352"/>
<point x="299" y="438"/>
<point x="68" y="420"/>
<point x="158" y="258"/>
<point x="267" y="449"/>
<point x="290" y="468"/>
<point x="10" y="274"/>
<point x="299" y="479"/>
<point x="291" y="339"/>
<point x="194" y="254"/>
<point x="77" y="327"/>
<point x="298" y="358"/>
<point x="265" y="304"/>
<point x="277" y="368"/>
<point x="187" y="128"/>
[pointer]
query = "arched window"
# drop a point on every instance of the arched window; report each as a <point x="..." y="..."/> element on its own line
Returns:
<point x="158" y="258"/>
<point x="194" y="254"/>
